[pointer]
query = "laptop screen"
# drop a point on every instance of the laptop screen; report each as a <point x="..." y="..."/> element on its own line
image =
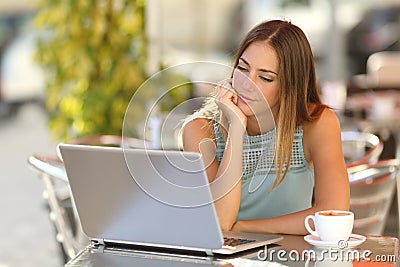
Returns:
<point x="142" y="197"/>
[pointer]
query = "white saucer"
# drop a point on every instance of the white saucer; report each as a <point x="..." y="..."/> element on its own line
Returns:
<point x="353" y="241"/>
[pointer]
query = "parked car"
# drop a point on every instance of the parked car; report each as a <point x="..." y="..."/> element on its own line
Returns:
<point x="21" y="78"/>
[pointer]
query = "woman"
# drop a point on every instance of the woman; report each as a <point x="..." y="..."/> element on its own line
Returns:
<point x="273" y="80"/>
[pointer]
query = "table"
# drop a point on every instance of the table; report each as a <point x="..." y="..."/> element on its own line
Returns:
<point x="291" y="251"/>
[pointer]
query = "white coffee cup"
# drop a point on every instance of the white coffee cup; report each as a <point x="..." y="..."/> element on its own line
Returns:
<point x="331" y="225"/>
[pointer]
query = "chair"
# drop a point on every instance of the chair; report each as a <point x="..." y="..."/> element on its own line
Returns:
<point x="361" y="148"/>
<point x="68" y="233"/>
<point x="372" y="188"/>
<point x="62" y="213"/>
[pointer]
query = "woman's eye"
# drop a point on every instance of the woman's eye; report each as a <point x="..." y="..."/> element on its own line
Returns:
<point x="265" y="79"/>
<point x="241" y="68"/>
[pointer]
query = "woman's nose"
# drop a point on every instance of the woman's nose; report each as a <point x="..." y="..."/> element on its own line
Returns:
<point x="249" y="83"/>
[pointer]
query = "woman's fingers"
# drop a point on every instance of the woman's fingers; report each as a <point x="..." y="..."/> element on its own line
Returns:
<point x="224" y="90"/>
<point x="235" y="98"/>
<point x="226" y="98"/>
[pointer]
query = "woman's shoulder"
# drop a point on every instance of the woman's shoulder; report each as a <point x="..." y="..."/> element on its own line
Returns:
<point x="196" y="131"/>
<point x="198" y="123"/>
<point x="198" y="127"/>
<point x="326" y="118"/>
<point x="323" y="132"/>
<point x="327" y="123"/>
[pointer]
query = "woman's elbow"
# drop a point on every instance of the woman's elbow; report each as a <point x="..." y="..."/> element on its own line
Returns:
<point x="226" y="226"/>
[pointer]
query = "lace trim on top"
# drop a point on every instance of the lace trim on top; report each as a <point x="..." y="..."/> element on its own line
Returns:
<point x="259" y="152"/>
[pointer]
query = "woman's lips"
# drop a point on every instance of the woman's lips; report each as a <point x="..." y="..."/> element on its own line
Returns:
<point x="246" y="99"/>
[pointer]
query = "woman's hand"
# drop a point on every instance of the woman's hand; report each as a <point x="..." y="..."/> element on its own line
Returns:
<point x="226" y="99"/>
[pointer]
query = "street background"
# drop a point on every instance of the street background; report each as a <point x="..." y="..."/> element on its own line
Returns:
<point x="26" y="234"/>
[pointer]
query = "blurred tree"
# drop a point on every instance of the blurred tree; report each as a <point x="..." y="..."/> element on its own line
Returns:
<point x="94" y="53"/>
<point x="287" y="3"/>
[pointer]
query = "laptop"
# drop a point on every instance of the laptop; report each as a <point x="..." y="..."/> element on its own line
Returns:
<point x="149" y="199"/>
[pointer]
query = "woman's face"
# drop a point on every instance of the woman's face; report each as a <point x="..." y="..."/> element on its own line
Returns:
<point x="255" y="79"/>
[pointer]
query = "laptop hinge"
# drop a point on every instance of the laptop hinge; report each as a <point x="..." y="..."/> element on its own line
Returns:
<point x="98" y="244"/>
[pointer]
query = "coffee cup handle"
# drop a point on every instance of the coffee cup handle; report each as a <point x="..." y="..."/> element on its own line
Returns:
<point x="307" y="225"/>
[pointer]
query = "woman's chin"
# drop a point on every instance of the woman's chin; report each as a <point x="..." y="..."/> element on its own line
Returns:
<point x="258" y="111"/>
<point x="245" y="108"/>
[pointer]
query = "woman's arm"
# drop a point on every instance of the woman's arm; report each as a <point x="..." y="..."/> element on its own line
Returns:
<point x="323" y="148"/>
<point x="225" y="178"/>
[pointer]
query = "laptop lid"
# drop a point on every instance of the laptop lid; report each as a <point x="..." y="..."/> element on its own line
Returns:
<point x="146" y="197"/>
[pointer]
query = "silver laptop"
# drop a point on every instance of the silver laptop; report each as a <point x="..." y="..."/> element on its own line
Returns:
<point x="152" y="199"/>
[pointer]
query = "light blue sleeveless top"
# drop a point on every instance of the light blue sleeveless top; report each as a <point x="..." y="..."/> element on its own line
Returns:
<point x="257" y="199"/>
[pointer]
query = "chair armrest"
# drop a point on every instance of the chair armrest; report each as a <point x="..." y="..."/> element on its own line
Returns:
<point x="370" y="171"/>
<point x="48" y="164"/>
<point x="371" y="141"/>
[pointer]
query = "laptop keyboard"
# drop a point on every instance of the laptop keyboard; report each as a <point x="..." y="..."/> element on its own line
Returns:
<point x="233" y="242"/>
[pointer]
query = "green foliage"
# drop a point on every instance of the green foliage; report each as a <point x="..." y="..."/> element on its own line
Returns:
<point x="289" y="3"/>
<point x="94" y="55"/>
